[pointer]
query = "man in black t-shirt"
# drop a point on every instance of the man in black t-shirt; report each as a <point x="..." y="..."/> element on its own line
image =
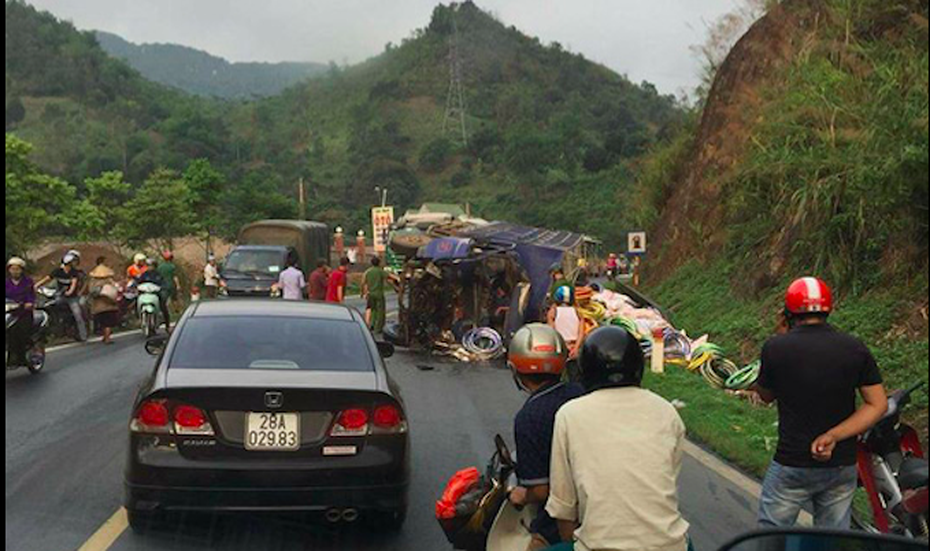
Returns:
<point x="814" y="373"/>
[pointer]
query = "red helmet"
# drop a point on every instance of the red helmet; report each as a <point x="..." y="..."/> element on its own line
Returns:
<point x="809" y="295"/>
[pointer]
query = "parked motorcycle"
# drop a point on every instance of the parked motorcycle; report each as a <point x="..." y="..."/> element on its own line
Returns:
<point x="893" y="471"/>
<point x="35" y="355"/>
<point x="474" y="511"/>
<point x="148" y="305"/>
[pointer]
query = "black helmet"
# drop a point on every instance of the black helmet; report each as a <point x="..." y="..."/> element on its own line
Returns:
<point x="611" y="357"/>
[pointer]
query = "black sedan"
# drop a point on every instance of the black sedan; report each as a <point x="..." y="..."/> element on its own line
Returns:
<point x="262" y="405"/>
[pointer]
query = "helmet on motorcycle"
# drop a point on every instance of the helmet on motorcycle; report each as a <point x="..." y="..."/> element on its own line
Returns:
<point x="139" y="257"/>
<point x="537" y="349"/>
<point x="68" y="259"/>
<point x="167" y="255"/>
<point x="808" y="295"/>
<point x="15" y="261"/>
<point x="75" y="253"/>
<point x="564" y="295"/>
<point x="611" y="357"/>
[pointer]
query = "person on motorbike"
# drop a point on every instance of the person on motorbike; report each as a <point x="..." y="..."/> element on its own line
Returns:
<point x="137" y="268"/>
<point x="814" y="371"/>
<point x="537" y="359"/>
<point x="616" y="456"/>
<point x="21" y="290"/>
<point x="69" y="283"/>
<point x="152" y="275"/>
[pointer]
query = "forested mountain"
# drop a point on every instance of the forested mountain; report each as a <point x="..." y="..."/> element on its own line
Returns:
<point x="551" y="137"/>
<point x="198" y="72"/>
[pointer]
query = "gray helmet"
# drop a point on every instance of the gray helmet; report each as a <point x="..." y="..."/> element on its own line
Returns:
<point x="537" y="349"/>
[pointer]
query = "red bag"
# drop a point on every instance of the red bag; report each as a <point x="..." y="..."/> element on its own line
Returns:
<point x="459" y="485"/>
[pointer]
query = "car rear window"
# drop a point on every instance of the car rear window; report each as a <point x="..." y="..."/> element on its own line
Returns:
<point x="272" y="343"/>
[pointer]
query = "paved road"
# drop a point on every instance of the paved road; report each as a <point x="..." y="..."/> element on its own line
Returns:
<point x="66" y="439"/>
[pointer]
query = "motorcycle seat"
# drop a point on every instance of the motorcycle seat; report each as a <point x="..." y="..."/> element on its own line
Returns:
<point x="913" y="474"/>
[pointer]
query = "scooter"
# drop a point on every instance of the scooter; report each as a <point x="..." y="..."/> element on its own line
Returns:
<point x="148" y="305"/>
<point x="35" y="355"/>
<point x="475" y="512"/>
<point x="893" y="471"/>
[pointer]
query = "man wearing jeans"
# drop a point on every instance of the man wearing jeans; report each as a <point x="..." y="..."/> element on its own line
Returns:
<point x="813" y="371"/>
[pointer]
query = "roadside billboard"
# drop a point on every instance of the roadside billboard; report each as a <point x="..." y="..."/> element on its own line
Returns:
<point x="382" y="218"/>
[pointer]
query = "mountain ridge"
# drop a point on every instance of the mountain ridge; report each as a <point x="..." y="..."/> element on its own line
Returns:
<point x="202" y="73"/>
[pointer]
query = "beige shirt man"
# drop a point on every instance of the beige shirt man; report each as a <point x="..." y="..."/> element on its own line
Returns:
<point x="616" y="456"/>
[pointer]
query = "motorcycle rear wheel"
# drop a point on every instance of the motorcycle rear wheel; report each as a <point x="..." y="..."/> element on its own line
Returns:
<point x="36" y="360"/>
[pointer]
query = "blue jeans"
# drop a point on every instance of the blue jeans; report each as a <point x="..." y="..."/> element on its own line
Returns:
<point x="786" y="490"/>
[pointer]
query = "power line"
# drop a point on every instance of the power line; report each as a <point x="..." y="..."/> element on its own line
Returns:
<point x="454" y="119"/>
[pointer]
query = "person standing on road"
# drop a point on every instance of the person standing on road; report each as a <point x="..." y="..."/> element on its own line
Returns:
<point x="211" y="278"/>
<point x="813" y="371"/>
<point x="336" y="289"/>
<point x="319" y="280"/>
<point x="616" y="456"/>
<point x="68" y="281"/>
<point x="291" y="281"/>
<point x="169" y="273"/>
<point x="564" y="318"/>
<point x="537" y="358"/>
<point x="21" y="290"/>
<point x="103" y="299"/>
<point x="373" y="287"/>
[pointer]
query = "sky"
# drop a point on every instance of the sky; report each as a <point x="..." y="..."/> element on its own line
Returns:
<point x="647" y="40"/>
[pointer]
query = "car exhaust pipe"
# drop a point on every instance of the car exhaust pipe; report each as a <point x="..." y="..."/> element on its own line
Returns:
<point x="333" y="516"/>
<point x="350" y="515"/>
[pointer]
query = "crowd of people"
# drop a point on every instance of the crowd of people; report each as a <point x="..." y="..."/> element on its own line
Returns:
<point x="810" y="369"/>
<point x="327" y="285"/>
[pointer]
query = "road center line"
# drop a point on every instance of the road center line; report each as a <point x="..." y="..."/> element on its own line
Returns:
<point x="106" y="536"/>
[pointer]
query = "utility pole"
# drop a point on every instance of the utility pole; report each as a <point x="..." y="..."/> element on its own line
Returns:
<point x="454" y="119"/>
<point x="303" y="199"/>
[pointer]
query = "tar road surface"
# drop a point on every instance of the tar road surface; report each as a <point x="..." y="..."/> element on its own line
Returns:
<point x="66" y="435"/>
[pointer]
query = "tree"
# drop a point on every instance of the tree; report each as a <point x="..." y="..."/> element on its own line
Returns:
<point x="206" y="185"/>
<point x="15" y="112"/>
<point x="160" y="211"/>
<point x="36" y="203"/>
<point x="103" y="208"/>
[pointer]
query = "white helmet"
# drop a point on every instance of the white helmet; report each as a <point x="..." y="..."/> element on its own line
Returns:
<point x="68" y="259"/>
<point x="16" y="261"/>
<point x="75" y="253"/>
<point x="139" y="257"/>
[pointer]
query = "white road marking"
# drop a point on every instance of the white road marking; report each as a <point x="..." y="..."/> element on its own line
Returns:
<point x="738" y="479"/>
<point x="61" y="347"/>
<point x="106" y="536"/>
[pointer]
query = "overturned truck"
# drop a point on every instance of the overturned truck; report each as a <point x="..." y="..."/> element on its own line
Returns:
<point x="481" y="281"/>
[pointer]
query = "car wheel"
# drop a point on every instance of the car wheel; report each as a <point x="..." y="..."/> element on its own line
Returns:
<point x="387" y="521"/>
<point x="141" y="521"/>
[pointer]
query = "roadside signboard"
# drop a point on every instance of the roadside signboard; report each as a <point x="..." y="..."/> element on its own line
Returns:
<point x="382" y="218"/>
<point x="636" y="243"/>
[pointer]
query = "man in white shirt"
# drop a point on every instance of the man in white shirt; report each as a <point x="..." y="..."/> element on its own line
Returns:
<point x="292" y="282"/>
<point x="613" y="485"/>
<point x="211" y="277"/>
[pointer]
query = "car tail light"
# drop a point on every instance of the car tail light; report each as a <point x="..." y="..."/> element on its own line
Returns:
<point x="351" y="422"/>
<point x="388" y="419"/>
<point x="191" y="420"/>
<point x="152" y="416"/>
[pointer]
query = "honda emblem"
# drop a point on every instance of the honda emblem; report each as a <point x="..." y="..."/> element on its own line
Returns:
<point x="274" y="399"/>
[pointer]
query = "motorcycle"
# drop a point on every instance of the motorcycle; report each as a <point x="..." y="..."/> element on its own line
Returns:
<point x="35" y="355"/>
<point x="475" y="512"/>
<point x="148" y="305"/>
<point x="893" y="471"/>
<point x="61" y="323"/>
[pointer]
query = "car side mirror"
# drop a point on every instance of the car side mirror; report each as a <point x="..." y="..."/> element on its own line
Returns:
<point x="385" y="349"/>
<point x="154" y="346"/>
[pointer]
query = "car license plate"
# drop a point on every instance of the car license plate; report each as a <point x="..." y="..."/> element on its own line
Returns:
<point x="272" y="431"/>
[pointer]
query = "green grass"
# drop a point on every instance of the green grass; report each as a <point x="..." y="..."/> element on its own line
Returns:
<point x="700" y="300"/>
